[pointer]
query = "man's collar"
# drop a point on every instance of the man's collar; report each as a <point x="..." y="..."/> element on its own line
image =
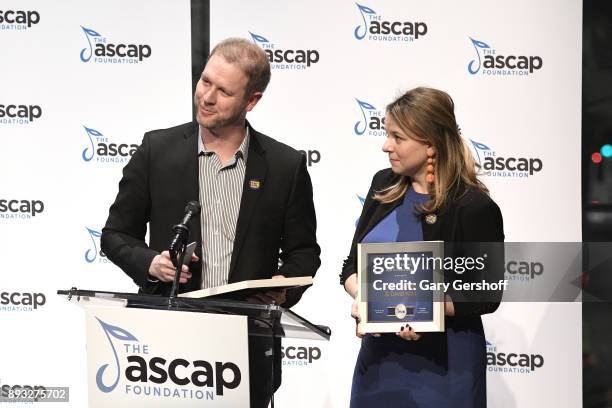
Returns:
<point x="243" y="149"/>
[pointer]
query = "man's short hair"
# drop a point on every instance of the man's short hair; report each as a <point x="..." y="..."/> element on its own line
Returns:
<point x="251" y="59"/>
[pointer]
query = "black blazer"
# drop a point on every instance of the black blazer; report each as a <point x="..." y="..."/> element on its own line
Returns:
<point x="162" y="176"/>
<point x="470" y="225"/>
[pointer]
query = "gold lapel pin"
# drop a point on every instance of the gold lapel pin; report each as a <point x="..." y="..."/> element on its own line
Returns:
<point x="431" y="218"/>
<point x="254" y="184"/>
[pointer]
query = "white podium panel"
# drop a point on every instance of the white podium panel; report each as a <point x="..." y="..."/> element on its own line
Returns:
<point x="159" y="358"/>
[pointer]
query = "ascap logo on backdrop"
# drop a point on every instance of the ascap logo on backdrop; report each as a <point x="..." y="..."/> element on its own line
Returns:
<point x="312" y="156"/>
<point x="11" y="114"/>
<point x="21" y="301"/>
<point x="299" y="356"/>
<point x="361" y="201"/>
<point x="104" y="151"/>
<point x="92" y="254"/>
<point x="18" y="19"/>
<point x="497" y="165"/>
<point x="142" y="373"/>
<point x="372" y="122"/>
<point x="502" y="361"/>
<point x="13" y="208"/>
<point x="376" y="28"/>
<point x="102" y="50"/>
<point x="523" y="271"/>
<point x="286" y="58"/>
<point x="489" y="62"/>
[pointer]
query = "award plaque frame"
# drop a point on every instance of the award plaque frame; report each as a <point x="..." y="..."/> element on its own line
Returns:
<point x="400" y="283"/>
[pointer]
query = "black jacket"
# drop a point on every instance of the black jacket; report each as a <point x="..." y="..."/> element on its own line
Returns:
<point x="277" y="213"/>
<point x="470" y="225"/>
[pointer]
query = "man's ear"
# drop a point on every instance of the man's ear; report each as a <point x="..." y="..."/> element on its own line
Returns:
<point x="253" y="99"/>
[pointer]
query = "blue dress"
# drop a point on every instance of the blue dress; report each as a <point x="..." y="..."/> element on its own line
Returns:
<point x="440" y="369"/>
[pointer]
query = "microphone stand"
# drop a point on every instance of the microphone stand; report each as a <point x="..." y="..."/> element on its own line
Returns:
<point x="177" y="255"/>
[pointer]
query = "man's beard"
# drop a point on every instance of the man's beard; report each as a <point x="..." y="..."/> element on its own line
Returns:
<point x="217" y="122"/>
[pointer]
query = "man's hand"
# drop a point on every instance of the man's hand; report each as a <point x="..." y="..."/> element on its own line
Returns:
<point x="271" y="297"/>
<point x="161" y="268"/>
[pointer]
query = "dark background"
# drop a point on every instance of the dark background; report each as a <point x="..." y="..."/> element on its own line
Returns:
<point x="597" y="202"/>
<point x="596" y="186"/>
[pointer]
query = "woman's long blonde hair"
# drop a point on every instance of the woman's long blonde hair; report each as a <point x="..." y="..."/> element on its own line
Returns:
<point x="429" y="115"/>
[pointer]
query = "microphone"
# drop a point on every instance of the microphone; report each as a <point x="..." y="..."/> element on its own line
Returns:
<point x="180" y="238"/>
<point x="181" y="231"/>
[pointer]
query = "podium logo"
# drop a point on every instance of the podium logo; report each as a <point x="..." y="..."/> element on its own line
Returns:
<point x="489" y="62"/>
<point x="104" y="151"/>
<point x="20" y="209"/>
<point x="18" y="19"/>
<point x="12" y="114"/>
<point x="286" y="58"/>
<point x="512" y="362"/>
<point x="299" y="356"/>
<point x="134" y="363"/>
<point x="101" y="50"/>
<point x="496" y="165"/>
<point x="92" y="253"/>
<point x="372" y="122"/>
<point x="21" y="301"/>
<point x="374" y="27"/>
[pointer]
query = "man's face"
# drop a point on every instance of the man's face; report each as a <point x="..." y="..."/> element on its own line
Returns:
<point x="220" y="97"/>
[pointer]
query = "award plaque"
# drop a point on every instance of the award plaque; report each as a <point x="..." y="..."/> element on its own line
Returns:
<point x="401" y="283"/>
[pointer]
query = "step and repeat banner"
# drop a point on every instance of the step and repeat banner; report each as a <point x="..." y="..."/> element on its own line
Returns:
<point x="513" y="70"/>
<point x="82" y="81"/>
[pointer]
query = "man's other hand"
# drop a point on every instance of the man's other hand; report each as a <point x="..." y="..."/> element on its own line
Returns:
<point x="271" y="297"/>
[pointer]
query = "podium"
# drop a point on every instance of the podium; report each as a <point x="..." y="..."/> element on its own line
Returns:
<point x="147" y="350"/>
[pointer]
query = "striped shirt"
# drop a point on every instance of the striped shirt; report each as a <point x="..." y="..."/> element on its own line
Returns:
<point x="220" y="194"/>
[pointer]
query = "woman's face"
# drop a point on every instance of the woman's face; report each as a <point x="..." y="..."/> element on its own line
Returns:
<point x="407" y="156"/>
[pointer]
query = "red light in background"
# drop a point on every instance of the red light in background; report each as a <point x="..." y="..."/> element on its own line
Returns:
<point x="596" y="157"/>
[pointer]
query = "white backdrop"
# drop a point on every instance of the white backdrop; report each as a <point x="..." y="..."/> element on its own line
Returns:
<point x="42" y="160"/>
<point x="325" y="98"/>
<point x="531" y="115"/>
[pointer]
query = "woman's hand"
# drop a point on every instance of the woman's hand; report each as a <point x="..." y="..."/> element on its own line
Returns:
<point x="407" y="333"/>
<point x="355" y="315"/>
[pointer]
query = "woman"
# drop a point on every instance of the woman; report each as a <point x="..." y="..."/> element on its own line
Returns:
<point x="430" y="193"/>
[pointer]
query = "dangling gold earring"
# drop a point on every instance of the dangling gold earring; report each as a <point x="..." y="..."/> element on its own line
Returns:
<point x="430" y="177"/>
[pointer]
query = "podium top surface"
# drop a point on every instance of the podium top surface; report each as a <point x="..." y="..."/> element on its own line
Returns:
<point x="284" y="322"/>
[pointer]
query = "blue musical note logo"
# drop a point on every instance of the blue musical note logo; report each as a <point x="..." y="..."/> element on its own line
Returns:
<point x="478" y="148"/>
<point x="121" y="335"/>
<point x="361" y="201"/>
<point x="88" y="152"/>
<point x="363" y="106"/>
<point x="94" y="235"/>
<point x="258" y="38"/>
<point x="85" y="52"/>
<point x="363" y="10"/>
<point x="477" y="45"/>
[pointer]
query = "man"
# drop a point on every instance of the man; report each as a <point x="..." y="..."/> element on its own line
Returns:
<point x="255" y="193"/>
